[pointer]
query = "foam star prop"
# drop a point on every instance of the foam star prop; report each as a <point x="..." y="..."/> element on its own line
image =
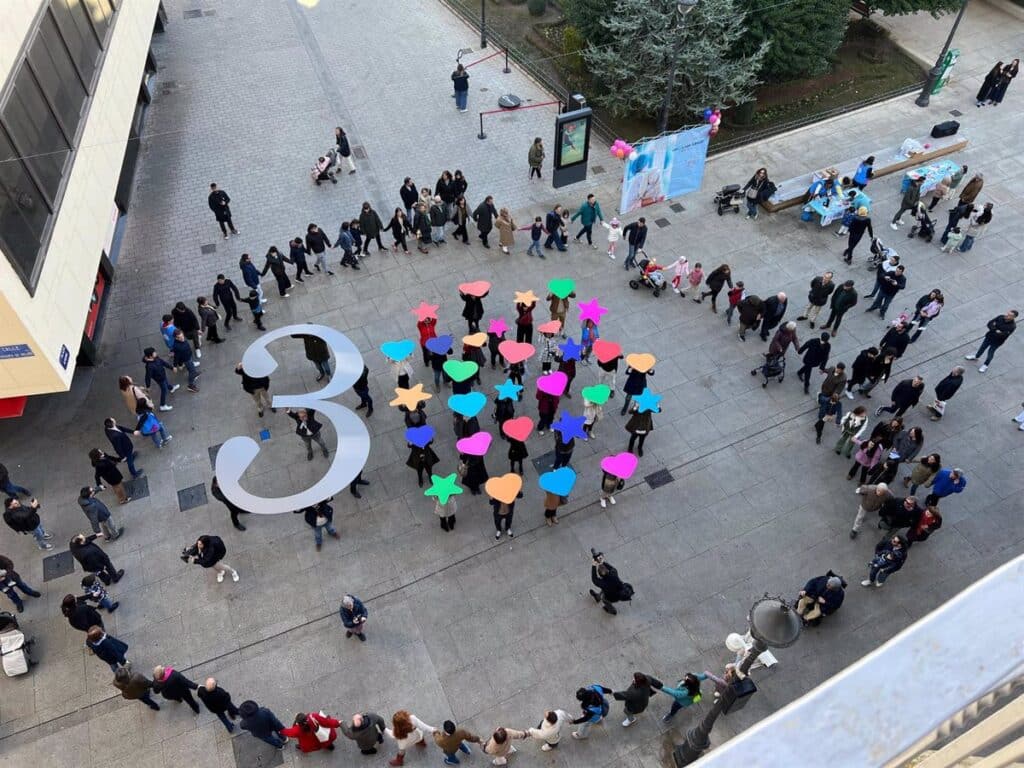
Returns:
<point x="443" y="487"/>
<point x="497" y="326"/>
<point x="570" y="426"/>
<point x="410" y="397"/>
<point x="648" y="401"/>
<point x="570" y="349"/>
<point x="508" y="390"/>
<point x="526" y="297"/>
<point x="424" y="310"/>
<point x="591" y="310"/>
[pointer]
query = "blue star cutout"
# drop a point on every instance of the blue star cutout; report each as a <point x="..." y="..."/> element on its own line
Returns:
<point x="570" y="350"/>
<point x="570" y="426"/>
<point x="648" y="401"/>
<point x="508" y="390"/>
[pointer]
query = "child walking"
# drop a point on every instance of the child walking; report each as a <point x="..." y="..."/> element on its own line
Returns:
<point x="681" y="267"/>
<point x="696" y="277"/>
<point x="97" y="593"/>
<point x="614" y="235"/>
<point x="536" y="232"/>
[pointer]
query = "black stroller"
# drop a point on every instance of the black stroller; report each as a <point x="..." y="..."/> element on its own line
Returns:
<point x="879" y="253"/>
<point x="729" y="198"/>
<point x="924" y="227"/>
<point x="774" y="366"/>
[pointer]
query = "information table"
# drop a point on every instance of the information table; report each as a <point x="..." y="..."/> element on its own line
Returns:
<point x="932" y="174"/>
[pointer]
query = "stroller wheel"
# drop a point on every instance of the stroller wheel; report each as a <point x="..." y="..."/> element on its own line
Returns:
<point x="721" y="211"/>
<point x="754" y="372"/>
<point x="657" y="293"/>
<point x="318" y="182"/>
<point x="764" y="385"/>
<point x="781" y="378"/>
<point x="634" y="284"/>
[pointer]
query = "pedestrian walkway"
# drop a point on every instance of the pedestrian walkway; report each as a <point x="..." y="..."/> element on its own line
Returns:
<point x="488" y="633"/>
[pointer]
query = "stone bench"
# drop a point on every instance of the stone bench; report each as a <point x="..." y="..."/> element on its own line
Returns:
<point x="791" y="191"/>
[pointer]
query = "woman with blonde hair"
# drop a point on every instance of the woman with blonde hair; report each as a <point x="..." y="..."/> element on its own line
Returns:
<point x="407" y="729"/>
<point x="136" y="398"/>
<point x="506" y="230"/>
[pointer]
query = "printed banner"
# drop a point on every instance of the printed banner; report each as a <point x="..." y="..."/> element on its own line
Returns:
<point x="665" y="167"/>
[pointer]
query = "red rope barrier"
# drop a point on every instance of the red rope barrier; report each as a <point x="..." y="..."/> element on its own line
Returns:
<point x="485" y="58"/>
<point x="520" y="108"/>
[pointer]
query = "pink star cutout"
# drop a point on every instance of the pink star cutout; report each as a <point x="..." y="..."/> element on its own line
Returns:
<point x="424" y="310"/>
<point x="591" y="310"/>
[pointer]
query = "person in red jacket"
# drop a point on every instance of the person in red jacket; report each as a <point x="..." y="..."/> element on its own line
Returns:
<point x="428" y="330"/>
<point x="306" y="730"/>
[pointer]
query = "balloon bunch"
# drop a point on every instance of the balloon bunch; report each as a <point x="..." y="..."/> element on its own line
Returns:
<point x="621" y="149"/>
<point x="714" y="116"/>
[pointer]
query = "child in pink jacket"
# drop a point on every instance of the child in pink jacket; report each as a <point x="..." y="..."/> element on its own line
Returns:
<point x="696" y="277"/>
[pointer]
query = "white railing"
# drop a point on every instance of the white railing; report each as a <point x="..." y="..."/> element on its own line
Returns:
<point x="894" y="702"/>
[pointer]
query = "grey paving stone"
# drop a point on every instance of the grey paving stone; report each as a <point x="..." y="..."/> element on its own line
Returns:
<point x="192" y="497"/>
<point x="56" y="566"/>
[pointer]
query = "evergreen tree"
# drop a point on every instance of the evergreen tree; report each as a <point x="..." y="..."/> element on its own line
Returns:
<point x="803" y="35"/>
<point x="902" y="7"/>
<point x="633" y="69"/>
<point x="586" y="16"/>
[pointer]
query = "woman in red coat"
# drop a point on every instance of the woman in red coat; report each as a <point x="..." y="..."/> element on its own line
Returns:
<point x="428" y="330"/>
<point x="305" y="730"/>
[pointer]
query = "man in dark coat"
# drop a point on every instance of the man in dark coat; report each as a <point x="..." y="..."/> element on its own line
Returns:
<point x="944" y="392"/>
<point x="308" y="428"/>
<point x="93" y="559"/>
<point x="484" y="216"/>
<point x="821" y="288"/>
<point x="636" y="235"/>
<point x="863" y="365"/>
<point x="750" y="310"/>
<point x="174" y="686"/>
<point x="899" y="513"/>
<point x="367" y="731"/>
<point x="999" y="330"/>
<point x="24" y="518"/>
<point x="80" y="614"/>
<point x="553" y="226"/>
<point x="275" y="265"/>
<point x="774" y="310"/>
<point x="257" y="387"/>
<point x="889" y="284"/>
<point x="121" y="441"/>
<point x="821" y="596"/>
<point x="896" y="338"/>
<point x="842" y="301"/>
<point x="371" y="226"/>
<point x="637" y="696"/>
<point x="224" y="294"/>
<point x="610" y="588"/>
<point x="219" y="203"/>
<point x="715" y="281"/>
<point x="904" y="396"/>
<point x="233" y="509"/>
<point x="261" y="723"/>
<point x="815" y="352"/>
<point x="410" y="196"/>
<point x="218" y="701"/>
<point x="317" y="352"/>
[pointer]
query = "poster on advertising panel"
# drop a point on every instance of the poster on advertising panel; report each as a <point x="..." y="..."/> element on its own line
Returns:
<point x="665" y="167"/>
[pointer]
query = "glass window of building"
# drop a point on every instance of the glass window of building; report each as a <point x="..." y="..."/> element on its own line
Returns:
<point x="24" y="213"/>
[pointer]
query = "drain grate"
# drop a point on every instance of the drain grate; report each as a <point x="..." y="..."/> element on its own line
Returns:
<point x="58" y="565"/>
<point x="597" y="168"/>
<point x="663" y="223"/>
<point x="194" y="14"/>
<point x="359" y="152"/>
<point x="677" y="207"/>
<point x="192" y="497"/>
<point x="138" y="488"/>
<point x="956" y="113"/>
<point x="207" y="249"/>
<point x="659" y="478"/>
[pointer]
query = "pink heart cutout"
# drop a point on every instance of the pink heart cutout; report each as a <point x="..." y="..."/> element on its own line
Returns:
<point x="553" y="383"/>
<point x="606" y="350"/>
<point x="477" y="288"/>
<point x="621" y="465"/>
<point x="476" y="444"/>
<point x="516" y="351"/>
<point x="518" y="428"/>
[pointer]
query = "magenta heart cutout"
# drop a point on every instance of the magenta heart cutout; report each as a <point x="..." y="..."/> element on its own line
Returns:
<point x="475" y="445"/>
<point x="621" y="465"/>
<point x="553" y="383"/>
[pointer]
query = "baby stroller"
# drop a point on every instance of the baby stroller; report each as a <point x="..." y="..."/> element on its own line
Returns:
<point x="729" y="197"/>
<point x="655" y="280"/>
<point x="924" y="227"/>
<point x="774" y="365"/>
<point x="879" y="253"/>
<point x="323" y="168"/>
<point x="14" y="647"/>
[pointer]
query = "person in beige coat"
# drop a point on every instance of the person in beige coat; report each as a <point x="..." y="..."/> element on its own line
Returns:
<point x="506" y="230"/>
<point x="549" y="730"/>
<point x="133" y="394"/>
<point x="872" y="497"/>
<point x="499" y="746"/>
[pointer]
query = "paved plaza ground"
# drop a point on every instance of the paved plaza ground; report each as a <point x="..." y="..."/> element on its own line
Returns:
<point x="461" y="627"/>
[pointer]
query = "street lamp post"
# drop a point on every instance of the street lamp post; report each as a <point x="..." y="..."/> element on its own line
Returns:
<point x="483" y="23"/>
<point x="773" y="624"/>
<point x="935" y="72"/>
<point x="683" y="7"/>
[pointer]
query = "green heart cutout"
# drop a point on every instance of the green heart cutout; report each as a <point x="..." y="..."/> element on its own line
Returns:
<point x="562" y="287"/>
<point x="598" y="394"/>
<point x="460" y="370"/>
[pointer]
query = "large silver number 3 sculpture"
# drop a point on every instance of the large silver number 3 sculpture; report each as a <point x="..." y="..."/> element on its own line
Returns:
<point x="235" y="456"/>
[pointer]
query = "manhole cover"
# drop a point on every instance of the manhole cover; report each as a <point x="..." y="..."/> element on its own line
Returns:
<point x="663" y="223"/>
<point x="55" y="566"/>
<point x="597" y="168"/>
<point x="192" y="497"/>
<point x="956" y="113"/>
<point x="196" y="14"/>
<point x="138" y="488"/>
<point x="509" y="101"/>
<point x="208" y="248"/>
<point x="677" y="207"/>
<point x="359" y="152"/>
<point x="659" y="478"/>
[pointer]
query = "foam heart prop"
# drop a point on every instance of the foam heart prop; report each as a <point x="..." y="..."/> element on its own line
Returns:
<point x="469" y="405"/>
<point x="598" y="394"/>
<point x="419" y="436"/>
<point x="551" y="326"/>
<point x="518" y="428"/>
<point x="398" y="350"/>
<point x="476" y="444"/>
<point x="439" y="345"/>
<point x="460" y="370"/>
<point x="606" y="350"/>
<point x="478" y="288"/>
<point x="642" y="362"/>
<point x="558" y="482"/>
<point x="562" y="287"/>
<point x="505" y="488"/>
<point x="516" y="351"/>
<point x="621" y="465"/>
<point x="553" y="383"/>
<point x="475" y="339"/>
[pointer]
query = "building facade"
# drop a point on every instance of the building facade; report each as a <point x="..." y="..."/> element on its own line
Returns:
<point x="75" y="77"/>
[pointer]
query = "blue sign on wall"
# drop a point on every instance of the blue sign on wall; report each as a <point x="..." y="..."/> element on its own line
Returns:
<point x="11" y="351"/>
<point x="65" y="357"/>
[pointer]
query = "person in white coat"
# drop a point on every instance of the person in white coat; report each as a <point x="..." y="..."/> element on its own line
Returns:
<point x="681" y="270"/>
<point x="614" y="235"/>
<point x="407" y="730"/>
<point x="549" y="730"/>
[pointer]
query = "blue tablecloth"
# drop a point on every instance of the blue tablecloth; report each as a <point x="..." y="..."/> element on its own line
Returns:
<point x="836" y="208"/>
<point x="932" y="174"/>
